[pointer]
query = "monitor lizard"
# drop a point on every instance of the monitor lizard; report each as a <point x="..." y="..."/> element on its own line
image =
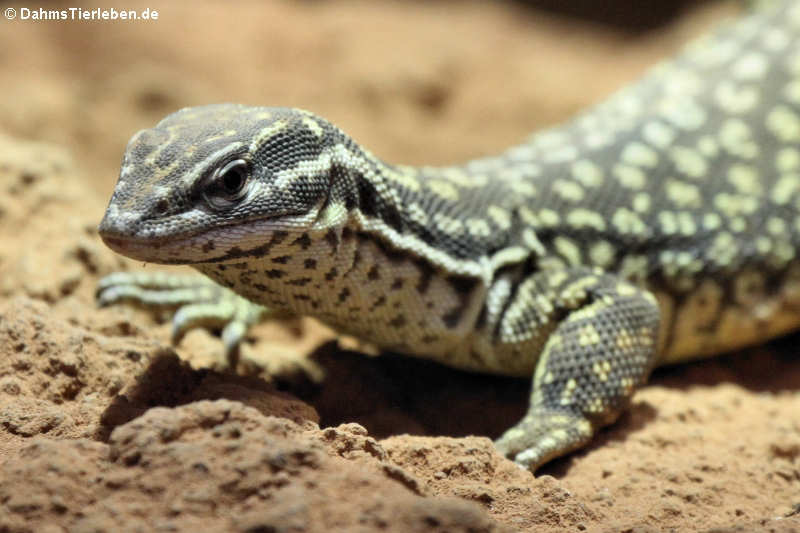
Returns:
<point x="660" y="225"/>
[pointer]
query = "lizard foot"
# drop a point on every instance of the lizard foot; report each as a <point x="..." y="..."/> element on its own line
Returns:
<point x="199" y="303"/>
<point x="541" y="437"/>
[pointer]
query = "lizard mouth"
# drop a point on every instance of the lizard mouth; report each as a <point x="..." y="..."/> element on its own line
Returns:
<point x="214" y="245"/>
<point x="221" y="242"/>
<point x="187" y="247"/>
<point x="150" y="251"/>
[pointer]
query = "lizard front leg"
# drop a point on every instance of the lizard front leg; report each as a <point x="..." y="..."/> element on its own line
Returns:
<point x="602" y="347"/>
<point x="199" y="303"/>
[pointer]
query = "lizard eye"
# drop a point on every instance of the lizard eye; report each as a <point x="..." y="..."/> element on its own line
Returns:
<point x="228" y="184"/>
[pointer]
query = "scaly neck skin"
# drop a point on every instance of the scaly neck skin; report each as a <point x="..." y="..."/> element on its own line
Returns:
<point x="352" y="276"/>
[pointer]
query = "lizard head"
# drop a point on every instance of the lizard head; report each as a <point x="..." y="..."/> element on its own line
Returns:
<point x="208" y="182"/>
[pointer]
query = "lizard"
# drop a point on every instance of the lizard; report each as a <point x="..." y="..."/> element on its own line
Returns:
<point x="658" y="226"/>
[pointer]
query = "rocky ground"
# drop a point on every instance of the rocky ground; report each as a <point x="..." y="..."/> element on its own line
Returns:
<point x="104" y="426"/>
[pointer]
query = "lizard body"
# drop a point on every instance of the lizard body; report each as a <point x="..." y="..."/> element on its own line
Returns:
<point x="660" y="225"/>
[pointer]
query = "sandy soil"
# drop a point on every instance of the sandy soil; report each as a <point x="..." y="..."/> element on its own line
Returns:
<point x="106" y="427"/>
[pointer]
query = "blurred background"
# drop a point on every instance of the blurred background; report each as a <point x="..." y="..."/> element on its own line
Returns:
<point x="415" y="81"/>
